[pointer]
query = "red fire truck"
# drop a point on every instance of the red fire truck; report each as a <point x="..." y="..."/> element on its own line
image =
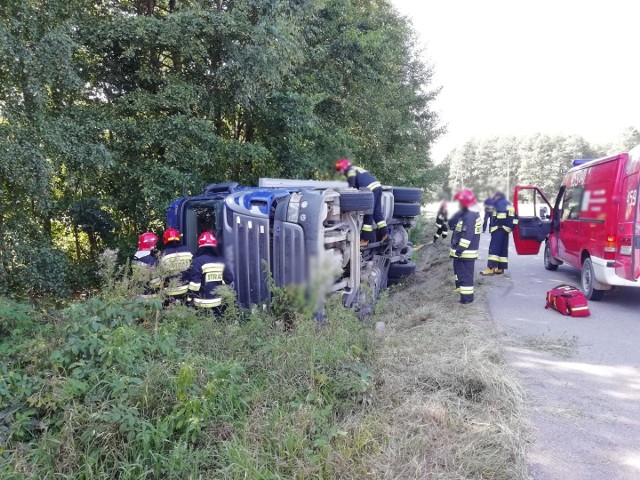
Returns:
<point x="593" y="225"/>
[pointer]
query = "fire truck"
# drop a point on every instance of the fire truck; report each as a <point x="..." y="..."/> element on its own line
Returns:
<point x="593" y="225"/>
<point x="296" y="232"/>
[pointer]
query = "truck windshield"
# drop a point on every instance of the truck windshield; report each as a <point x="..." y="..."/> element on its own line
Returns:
<point x="202" y="216"/>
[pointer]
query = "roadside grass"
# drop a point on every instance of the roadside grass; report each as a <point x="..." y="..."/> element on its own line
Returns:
<point x="118" y="388"/>
<point x="451" y="407"/>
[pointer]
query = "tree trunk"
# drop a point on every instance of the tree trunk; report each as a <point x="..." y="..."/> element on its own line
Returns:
<point x="76" y="237"/>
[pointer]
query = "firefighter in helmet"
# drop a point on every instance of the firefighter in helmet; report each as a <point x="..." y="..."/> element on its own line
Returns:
<point x="207" y="273"/>
<point x="174" y="265"/>
<point x="147" y="254"/>
<point x="360" y="178"/>
<point x="466" y="226"/>
<point x="144" y="262"/>
<point x="441" y="222"/>
<point x="503" y="220"/>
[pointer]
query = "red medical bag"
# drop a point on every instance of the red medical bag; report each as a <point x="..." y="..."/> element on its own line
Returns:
<point x="568" y="300"/>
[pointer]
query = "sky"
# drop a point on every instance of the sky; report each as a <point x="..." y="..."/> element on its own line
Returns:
<point x="516" y="67"/>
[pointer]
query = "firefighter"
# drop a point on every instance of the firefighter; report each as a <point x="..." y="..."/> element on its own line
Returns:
<point x="360" y="178"/>
<point x="488" y="213"/>
<point x="147" y="255"/>
<point x="503" y="220"/>
<point x="174" y="265"/>
<point x="465" y="240"/>
<point x="144" y="261"/>
<point x="207" y="273"/>
<point x="441" y="222"/>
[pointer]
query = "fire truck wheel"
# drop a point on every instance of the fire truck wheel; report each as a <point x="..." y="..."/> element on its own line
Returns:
<point x="401" y="210"/>
<point x="548" y="258"/>
<point x="588" y="279"/>
<point x="358" y="201"/>
<point x="407" y="195"/>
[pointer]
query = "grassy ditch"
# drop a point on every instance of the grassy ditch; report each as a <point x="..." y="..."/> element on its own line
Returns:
<point x="114" y="388"/>
<point x="448" y="405"/>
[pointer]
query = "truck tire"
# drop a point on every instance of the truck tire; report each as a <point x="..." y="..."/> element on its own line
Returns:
<point x="401" y="270"/>
<point x="407" y="195"/>
<point x="401" y="210"/>
<point x="356" y="201"/>
<point x="588" y="278"/>
<point x="548" y="258"/>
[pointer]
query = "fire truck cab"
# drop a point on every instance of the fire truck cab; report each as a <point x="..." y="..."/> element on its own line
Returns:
<point x="593" y="224"/>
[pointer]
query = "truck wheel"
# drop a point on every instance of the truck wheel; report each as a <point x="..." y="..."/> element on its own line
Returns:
<point x="548" y="258"/>
<point x="400" y="270"/>
<point x="588" y="279"/>
<point x="356" y="201"/>
<point x="401" y="210"/>
<point x="407" y="195"/>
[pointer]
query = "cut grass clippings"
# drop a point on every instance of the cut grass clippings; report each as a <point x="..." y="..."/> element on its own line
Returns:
<point x="450" y="407"/>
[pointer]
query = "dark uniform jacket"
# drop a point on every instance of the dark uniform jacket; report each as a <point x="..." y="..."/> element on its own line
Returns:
<point x="174" y="265"/>
<point x="144" y="259"/>
<point x="465" y="240"/>
<point x="206" y="274"/>
<point x="143" y="266"/>
<point x="504" y="216"/>
<point x="361" y="178"/>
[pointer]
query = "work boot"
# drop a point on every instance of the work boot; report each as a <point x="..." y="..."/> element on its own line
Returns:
<point x="364" y="243"/>
<point x="498" y="271"/>
<point x="487" y="272"/>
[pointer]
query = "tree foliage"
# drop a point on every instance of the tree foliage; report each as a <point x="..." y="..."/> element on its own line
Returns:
<point x="111" y="109"/>
<point x="500" y="163"/>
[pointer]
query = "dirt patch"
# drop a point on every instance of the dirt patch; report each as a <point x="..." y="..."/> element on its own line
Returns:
<point x="451" y="407"/>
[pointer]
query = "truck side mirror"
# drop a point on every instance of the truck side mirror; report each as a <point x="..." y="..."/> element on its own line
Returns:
<point x="544" y="213"/>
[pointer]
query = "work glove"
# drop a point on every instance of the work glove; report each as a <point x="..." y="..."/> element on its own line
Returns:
<point x="459" y="252"/>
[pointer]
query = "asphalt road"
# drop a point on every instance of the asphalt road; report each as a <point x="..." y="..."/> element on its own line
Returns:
<point x="585" y="404"/>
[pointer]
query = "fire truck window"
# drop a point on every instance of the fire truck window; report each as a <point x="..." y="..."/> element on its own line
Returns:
<point x="533" y="205"/>
<point x="571" y="203"/>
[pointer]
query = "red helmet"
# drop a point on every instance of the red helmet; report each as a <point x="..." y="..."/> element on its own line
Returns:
<point x="147" y="241"/>
<point x="171" y="235"/>
<point x="342" y="164"/>
<point x="465" y="197"/>
<point x="207" y="239"/>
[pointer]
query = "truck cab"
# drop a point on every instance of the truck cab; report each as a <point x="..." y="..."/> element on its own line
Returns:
<point x="302" y="233"/>
<point x="592" y="225"/>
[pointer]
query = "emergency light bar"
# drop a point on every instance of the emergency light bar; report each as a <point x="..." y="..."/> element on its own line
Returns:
<point x="581" y="161"/>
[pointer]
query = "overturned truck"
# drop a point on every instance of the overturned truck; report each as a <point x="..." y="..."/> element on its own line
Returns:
<point x="302" y="233"/>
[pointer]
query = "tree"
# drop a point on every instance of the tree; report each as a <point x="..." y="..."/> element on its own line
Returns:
<point x="110" y="110"/>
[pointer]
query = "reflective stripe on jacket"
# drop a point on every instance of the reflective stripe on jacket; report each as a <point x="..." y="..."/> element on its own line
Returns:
<point x="465" y="240"/>
<point x="360" y="178"/>
<point x="206" y="274"/>
<point x="504" y="217"/>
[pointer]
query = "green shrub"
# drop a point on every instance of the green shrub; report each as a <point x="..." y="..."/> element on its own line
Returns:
<point x="119" y="388"/>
